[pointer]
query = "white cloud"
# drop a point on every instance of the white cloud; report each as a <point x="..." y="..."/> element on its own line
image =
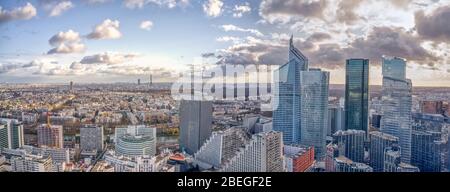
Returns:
<point x="108" y="29"/>
<point x="20" y="13"/>
<point x="66" y="42"/>
<point x="240" y="10"/>
<point x="236" y="28"/>
<point x="108" y="58"/>
<point x="213" y="8"/>
<point x="97" y="1"/>
<point x="59" y="8"/>
<point x="146" y="25"/>
<point x="228" y="39"/>
<point x="138" y="4"/>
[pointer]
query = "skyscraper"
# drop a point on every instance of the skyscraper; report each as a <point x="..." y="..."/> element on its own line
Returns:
<point x="50" y="136"/>
<point x="314" y="110"/>
<point x="195" y="124"/>
<point x="392" y="162"/>
<point x="357" y="94"/>
<point x="263" y="153"/>
<point x="426" y="151"/>
<point x="353" y="143"/>
<point x="378" y="143"/>
<point x="11" y="134"/>
<point x="91" y="138"/>
<point x="286" y="111"/>
<point x="396" y="104"/>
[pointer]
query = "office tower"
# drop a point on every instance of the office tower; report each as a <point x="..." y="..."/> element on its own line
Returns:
<point x="11" y="135"/>
<point x="314" y="110"/>
<point x="376" y="119"/>
<point x="256" y="124"/>
<point x="298" y="158"/>
<point x="50" y="136"/>
<point x="286" y="107"/>
<point x="136" y="145"/>
<point x="426" y="151"/>
<point x="430" y="122"/>
<point x="31" y="164"/>
<point x="91" y="138"/>
<point x="195" y="124"/>
<point x="133" y="141"/>
<point x="353" y="143"/>
<point x="396" y="104"/>
<point x="344" y="164"/>
<point x="220" y="148"/>
<point x="263" y="153"/>
<point x="432" y="107"/>
<point x="71" y="87"/>
<point x="336" y="119"/>
<point x="392" y="162"/>
<point x="4" y="136"/>
<point x="378" y="143"/>
<point x="357" y="94"/>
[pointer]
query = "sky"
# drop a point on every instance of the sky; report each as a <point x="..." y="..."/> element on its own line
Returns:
<point x="102" y="41"/>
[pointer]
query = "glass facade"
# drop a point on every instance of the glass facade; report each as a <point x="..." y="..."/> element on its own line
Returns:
<point x="357" y="94"/>
<point x="396" y="107"/>
<point x="353" y="142"/>
<point x="314" y="110"/>
<point x="426" y="151"/>
<point x="286" y="111"/>
<point x="378" y="143"/>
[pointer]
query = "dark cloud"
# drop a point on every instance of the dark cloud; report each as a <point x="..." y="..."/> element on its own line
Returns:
<point x="345" y="12"/>
<point x="435" y="26"/>
<point x="319" y="36"/>
<point x="390" y="41"/>
<point x="271" y="9"/>
<point x="380" y="41"/>
<point x="208" y="55"/>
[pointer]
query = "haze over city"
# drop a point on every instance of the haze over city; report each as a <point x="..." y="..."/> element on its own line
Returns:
<point x="104" y="41"/>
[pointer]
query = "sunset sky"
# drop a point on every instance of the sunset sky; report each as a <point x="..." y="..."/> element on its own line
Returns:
<point x="56" y="41"/>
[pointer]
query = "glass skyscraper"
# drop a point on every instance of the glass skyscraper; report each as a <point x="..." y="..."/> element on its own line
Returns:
<point x="378" y="143"/>
<point x="426" y="151"/>
<point x="396" y="104"/>
<point x="286" y="108"/>
<point x="353" y="142"/>
<point x="314" y="110"/>
<point x="357" y="94"/>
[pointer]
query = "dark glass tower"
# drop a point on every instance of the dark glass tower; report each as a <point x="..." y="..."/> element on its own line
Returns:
<point x="357" y="94"/>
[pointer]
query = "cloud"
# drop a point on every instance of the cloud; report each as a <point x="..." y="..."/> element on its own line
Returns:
<point x="345" y="12"/>
<point x="20" y="13"/>
<point x="208" y="55"/>
<point x="108" y="58"/>
<point x="236" y="28"/>
<point x="285" y="10"/>
<point x="56" y="8"/>
<point x="319" y="36"/>
<point x="435" y="26"/>
<point x="146" y="25"/>
<point x="401" y="3"/>
<point x="66" y="42"/>
<point x="240" y="10"/>
<point x="138" y="4"/>
<point x="380" y="41"/>
<point x="390" y="41"/>
<point x="228" y="39"/>
<point x="9" y="67"/>
<point x="108" y="29"/>
<point x="97" y="1"/>
<point x="213" y="8"/>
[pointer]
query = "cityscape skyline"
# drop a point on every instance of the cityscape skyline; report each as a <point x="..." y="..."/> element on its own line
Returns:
<point x="56" y="42"/>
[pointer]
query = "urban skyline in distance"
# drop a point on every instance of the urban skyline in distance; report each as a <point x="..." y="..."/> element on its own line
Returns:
<point x="57" y="42"/>
<point x="312" y="86"/>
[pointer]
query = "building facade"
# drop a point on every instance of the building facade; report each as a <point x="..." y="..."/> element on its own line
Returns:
<point x="378" y="143"/>
<point x="298" y="158"/>
<point x="50" y="136"/>
<point x="195" y="124"/>
<point x="91" y="138"/>
<point x="314" y="110"/>
<point x="353" y="143"/>
<point x="396" y="104"/>
<point x="357" y="94"/>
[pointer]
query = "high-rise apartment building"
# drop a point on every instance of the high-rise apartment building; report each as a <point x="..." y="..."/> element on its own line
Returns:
<point x="91" y="138"/>
<point x="50" y="136"/>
